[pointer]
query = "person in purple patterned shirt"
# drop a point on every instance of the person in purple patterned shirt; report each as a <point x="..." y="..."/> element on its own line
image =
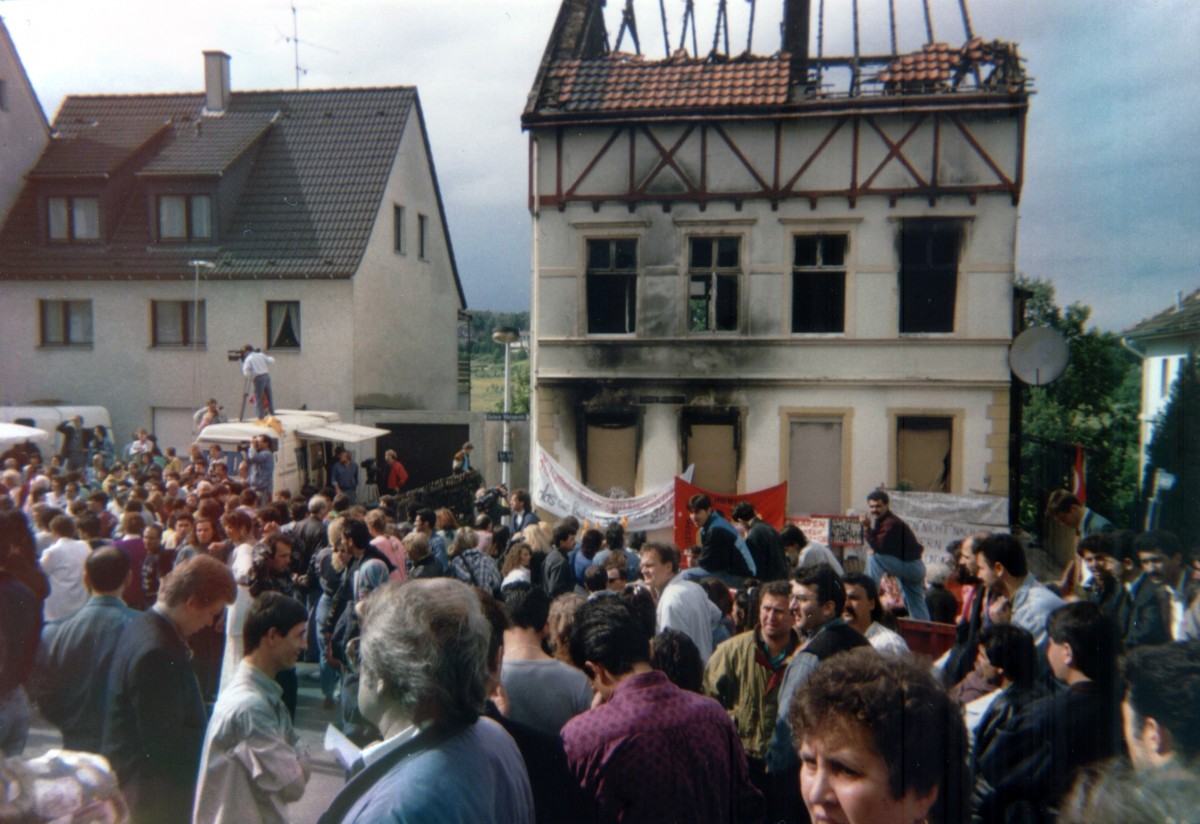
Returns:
<point x="651" y="751"/>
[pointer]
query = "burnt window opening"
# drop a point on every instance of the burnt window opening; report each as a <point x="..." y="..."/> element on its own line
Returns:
<point x="819" y="283"/>
<point x="711" y="438"/>
<point x="714" y="266"/>
<point x="608" y="448"/>
<point x="923" y="453"/>
<point x="612" y="286"/>
<point x="929" y="255"/>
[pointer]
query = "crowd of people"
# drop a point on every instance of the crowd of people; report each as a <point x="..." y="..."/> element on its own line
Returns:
<point x="155" y="611"/>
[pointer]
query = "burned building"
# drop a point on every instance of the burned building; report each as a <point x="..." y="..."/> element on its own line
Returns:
<point x="793" y="266"/>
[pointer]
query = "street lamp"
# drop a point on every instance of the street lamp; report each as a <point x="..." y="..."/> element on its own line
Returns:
<point x="196" y="265"/>
<point x="507" y="336"/>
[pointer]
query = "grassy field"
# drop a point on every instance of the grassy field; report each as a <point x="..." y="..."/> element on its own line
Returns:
<point x="487" y="393"/>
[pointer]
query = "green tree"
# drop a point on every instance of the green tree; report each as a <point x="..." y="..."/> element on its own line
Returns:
<point x="1095" y="404"/>
<point x="1175" y="448"/>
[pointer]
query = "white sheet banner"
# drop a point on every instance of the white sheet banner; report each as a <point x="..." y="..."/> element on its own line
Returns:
<point x="557" y="491"/>
<point x="938" y="506"/>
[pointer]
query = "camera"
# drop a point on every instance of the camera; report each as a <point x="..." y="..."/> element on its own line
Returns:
<point x="234" y="355"/>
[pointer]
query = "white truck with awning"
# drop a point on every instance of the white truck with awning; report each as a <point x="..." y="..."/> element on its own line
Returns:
<point x="303" y="444"/>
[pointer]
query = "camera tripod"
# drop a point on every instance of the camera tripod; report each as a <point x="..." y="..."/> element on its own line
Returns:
<point x="247" y="388"/>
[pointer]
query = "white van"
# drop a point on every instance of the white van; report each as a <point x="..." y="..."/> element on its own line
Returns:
<point x="300" y="450"/>
<point x="48" y="418"/>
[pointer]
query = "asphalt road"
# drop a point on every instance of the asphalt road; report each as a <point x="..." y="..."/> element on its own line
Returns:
<point x="311" y="721"/>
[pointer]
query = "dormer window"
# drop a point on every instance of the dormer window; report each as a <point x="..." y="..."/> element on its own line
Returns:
<point x="185" y="217"/>
<point x="73" y="219"/>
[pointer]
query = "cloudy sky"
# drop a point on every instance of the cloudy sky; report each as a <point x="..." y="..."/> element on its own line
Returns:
<point x="1111" y="208"/>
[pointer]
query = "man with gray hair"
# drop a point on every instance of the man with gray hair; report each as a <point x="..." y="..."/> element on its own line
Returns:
<point x="423" y="658"/>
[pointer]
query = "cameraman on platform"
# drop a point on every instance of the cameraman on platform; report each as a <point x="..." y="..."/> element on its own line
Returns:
<point x="257" y="365"/>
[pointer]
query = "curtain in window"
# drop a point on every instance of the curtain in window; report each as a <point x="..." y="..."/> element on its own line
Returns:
<point x="172" y="217"/>
<point x="283" y="318"/>
<point x="201" y="216"/>
<point x="85" y="214"/>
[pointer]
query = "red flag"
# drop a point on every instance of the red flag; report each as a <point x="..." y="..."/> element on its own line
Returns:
<point x="1079" y="475"/>
<point x="770" y="504"/>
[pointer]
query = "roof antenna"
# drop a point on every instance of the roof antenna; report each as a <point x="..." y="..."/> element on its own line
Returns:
<point x="296" y="41"/>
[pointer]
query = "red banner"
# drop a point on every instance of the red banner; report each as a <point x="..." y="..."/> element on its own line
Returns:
<point x="770" y="504"/>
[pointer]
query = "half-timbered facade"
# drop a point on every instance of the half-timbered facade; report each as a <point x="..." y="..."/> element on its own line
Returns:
<point x="784" y="267"/>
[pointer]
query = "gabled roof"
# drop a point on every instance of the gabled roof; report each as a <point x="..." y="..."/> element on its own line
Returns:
<point x="321" y="160"/>
<point x="1181" y="319"/>
<point x="207" y="146"/>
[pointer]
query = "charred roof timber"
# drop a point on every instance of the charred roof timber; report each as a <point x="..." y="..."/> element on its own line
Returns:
<point x="583" y="78"/>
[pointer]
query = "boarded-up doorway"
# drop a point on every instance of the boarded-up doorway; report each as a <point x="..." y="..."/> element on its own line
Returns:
<point x="815" y="467"/>
<point x="923" y="459"/>
<point x="711" y="441"/>
<point x="612" y="458"/>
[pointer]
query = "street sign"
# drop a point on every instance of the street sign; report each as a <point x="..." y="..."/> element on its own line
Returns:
<point x="509" y="417"/>
<point x="504" y="457"/>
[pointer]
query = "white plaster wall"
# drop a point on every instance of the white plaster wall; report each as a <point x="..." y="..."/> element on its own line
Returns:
<point x="23" y="129"/>
<point x="404" y="321"/>
<point x="122" y="371"/>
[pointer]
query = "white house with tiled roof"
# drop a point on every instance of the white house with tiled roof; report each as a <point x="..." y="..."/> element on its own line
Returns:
<point x="1163" y="342"/>
<point x="156" y="232"/>
<point x="788" y="267"/>
<point x="23" y="127"/>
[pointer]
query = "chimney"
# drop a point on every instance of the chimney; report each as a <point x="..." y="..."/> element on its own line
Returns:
<point x="795" y="37"/>
<point x="216" y="82"/>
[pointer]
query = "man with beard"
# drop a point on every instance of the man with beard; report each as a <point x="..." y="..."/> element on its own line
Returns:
<point x="1166" y="565"/>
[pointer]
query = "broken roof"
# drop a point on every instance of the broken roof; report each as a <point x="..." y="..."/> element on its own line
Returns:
<point x="580" y="77"/>
<point x="621" y="82"/>
<point x="306" y="210"/>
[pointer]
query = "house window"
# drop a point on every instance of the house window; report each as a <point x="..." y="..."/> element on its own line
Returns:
<point x="73" y="218"/>
<point x="923" y="452"/>
<point x="422" y="227"/>
<point x="65" y="322"/>
<point x="612" y="286"/>
<point x="819" y="283"/>
<point x="714" y="265"/>
<point x="929" y="252"/>
<point x="184" y="217"/>
<point x="177" y="323"/>
<point x="398" y="228"/>
<point x="283" y="324"/>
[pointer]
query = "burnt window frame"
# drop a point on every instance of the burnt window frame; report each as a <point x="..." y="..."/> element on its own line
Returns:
<point x="928" y="274"/>
<point x="629" y="276"/>
<point x="823" y="270"/>
<point x="929" y="419"/>
<point x="188" y="335"/>
<point x="62" y="306"/>
<point x="611" y="418"/>
<point x="715" y="275"/>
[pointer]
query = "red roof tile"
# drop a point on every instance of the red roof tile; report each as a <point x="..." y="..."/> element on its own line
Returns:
<point x="623" y="83"/>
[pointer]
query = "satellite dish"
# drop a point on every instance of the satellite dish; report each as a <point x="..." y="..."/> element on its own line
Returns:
<point x="1039" y="355"/>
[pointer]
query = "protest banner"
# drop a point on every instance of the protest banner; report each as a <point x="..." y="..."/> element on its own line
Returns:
<point x="559" y="492"/>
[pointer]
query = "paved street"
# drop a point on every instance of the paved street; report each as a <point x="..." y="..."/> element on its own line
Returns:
<point x="311" y="720"/>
